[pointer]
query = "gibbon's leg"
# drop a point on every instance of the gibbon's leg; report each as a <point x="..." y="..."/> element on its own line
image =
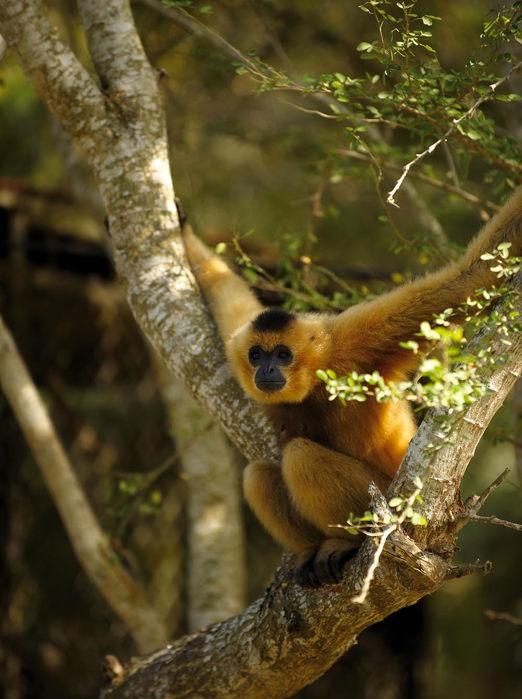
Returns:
<point x="267" y="495"/>
<point x="325" y="486"/>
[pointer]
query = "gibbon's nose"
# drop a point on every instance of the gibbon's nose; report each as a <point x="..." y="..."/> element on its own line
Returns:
<point x="269" y="379"/>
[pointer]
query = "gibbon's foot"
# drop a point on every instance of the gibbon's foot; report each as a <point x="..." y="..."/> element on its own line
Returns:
<point x="324" y="567"/>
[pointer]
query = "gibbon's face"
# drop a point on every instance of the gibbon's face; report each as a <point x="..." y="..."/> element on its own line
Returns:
<point x="275" y="357"/>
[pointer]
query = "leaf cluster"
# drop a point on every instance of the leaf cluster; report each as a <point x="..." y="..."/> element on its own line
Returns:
<point x="400" y="510"/>
<point x="412" y="98"/>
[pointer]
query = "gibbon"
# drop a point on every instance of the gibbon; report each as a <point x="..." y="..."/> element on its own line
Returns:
<point x="329" y="451"/>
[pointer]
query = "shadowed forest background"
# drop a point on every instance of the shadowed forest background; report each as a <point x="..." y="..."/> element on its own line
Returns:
<point x="268" y="168"/>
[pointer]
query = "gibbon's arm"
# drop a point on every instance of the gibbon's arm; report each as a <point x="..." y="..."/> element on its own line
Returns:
<point x="381" y="324"/>
<point x="229" y="297"/>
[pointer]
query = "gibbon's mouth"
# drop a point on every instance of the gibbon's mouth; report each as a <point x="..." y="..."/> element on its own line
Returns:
<point x="270" y="386"/>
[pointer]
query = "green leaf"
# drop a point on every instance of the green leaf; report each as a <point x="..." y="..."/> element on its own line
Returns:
<point x="418" y="520"/>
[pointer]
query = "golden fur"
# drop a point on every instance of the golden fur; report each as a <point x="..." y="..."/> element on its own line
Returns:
<point x="330" y="453"/>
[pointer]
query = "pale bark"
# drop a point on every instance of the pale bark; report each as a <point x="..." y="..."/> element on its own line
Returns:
<point x="447" y="466"/>
<point x="123" y="593"/>
<point x="121" y="131"/>
<point x="216" y="555"/>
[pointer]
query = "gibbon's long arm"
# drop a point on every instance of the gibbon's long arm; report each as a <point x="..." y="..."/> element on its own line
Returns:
<point x="229" y="297"/>
<point x="395" y="316"/>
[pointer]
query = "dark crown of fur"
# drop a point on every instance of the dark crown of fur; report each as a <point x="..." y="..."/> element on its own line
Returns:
<point x="273" y="319"/>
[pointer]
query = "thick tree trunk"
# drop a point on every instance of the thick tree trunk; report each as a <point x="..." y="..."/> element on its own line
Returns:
<point x="120" y="127"/>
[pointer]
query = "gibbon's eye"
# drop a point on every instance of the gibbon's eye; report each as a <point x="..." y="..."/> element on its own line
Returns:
<point x="283" y="354"/>
<point x="255" y="355"/>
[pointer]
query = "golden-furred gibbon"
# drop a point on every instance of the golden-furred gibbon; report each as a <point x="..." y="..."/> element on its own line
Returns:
<point x="329" y="451"/>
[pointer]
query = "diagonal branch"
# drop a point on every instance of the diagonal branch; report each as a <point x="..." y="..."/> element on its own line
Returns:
<point x="442" y="472"/>
<point x="60" y="79"/>
<point x="123" y="593"/>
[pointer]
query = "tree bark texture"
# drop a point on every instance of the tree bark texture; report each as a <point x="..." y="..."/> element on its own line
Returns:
<point x="117" y="119"/>
<point x="216" y="552"/>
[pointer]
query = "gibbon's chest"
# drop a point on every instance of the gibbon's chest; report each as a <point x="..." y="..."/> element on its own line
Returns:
<point x="375" y="433"/>
<point x="321" y="421"/>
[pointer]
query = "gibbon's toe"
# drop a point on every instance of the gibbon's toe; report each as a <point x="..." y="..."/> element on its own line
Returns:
<point x="325" y="566"/>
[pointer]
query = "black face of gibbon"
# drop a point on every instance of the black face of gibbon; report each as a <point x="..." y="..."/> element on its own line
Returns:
<point x="268" y="377"/>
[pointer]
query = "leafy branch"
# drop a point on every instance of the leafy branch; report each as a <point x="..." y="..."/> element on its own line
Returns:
<point x="381" y="527"/>
<point x="454" y="126"/>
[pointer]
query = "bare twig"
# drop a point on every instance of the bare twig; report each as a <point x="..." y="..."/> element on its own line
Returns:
<point x="456" y="122"/>
<point x="476" y="502"/>
<point x="370" y="573"/>
<point x="375" y="529"/>
<point x="476" y="568"/>
<point x="503" y="616"/>
<point x="491" y="519"/>
<point x="421" y="177"/>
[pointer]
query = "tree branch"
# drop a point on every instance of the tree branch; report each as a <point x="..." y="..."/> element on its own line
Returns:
<point x="116" y="50"/>
<point x="440" y="459"/>
<point x="123" y="593"/>
<point x="62" y="82"/>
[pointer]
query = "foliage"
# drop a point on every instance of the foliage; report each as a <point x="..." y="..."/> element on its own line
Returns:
<point x="400" y="111"/>
<point x="401" y="510"/>
<point x="407" y="90"/>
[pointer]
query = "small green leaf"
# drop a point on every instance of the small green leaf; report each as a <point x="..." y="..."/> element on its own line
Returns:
<point x="418" y="520"/>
